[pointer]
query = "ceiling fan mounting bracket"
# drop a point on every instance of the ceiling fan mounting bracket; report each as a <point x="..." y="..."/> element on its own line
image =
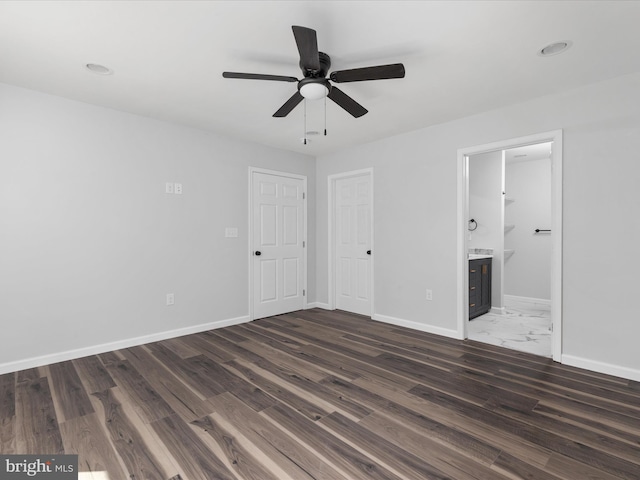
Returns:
<point x="325" y="65"/>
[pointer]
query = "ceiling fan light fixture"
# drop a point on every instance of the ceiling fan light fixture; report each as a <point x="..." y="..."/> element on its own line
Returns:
<point x="314" y="91"/>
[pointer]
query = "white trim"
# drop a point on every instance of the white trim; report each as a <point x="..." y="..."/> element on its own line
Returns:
<point x="253" y="170"/>
<point x="445" y="332"/>
<point x="516" y="298"/>
<point x="331" y="181"/>
<point x="498" y="310"/>
<point x="601" y="367"/>
<point x="117" y="345"/>
<point x="462" y="283"/>
<point x="324" y="306"/>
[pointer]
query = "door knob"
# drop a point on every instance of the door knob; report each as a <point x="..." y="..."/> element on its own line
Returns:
<point x="257" y="253"/>
<point x="368" y="252"/>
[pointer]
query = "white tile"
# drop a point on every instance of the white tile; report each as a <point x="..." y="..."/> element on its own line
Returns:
<point x="524" y="326"/>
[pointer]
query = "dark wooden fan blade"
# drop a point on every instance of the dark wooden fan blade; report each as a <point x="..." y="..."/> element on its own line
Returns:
<point x="307" y="47"/>
<point x="381" y="72"/>
<point x="289" y="105"/>
<point x="259" y="76"/>
<point x="346" y="102"/>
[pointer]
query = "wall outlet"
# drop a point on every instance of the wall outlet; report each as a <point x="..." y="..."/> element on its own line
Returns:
<point x="429" y="294"/>
<point x="231" y="232"/>
<point x="170" y="299"/>
<point x="177" y="188"/>
<point x="168" y="187"/>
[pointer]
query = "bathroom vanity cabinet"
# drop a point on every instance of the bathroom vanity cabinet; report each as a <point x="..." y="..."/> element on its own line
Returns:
<point x="479" y="286"/>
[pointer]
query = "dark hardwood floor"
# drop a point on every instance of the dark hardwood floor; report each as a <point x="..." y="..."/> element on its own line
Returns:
<point x="324" y="395"/>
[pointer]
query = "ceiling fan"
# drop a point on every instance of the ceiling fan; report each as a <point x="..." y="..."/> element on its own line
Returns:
<point x="315" y="85"/>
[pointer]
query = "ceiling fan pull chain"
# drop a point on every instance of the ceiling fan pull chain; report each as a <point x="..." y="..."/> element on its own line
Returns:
<point x="325" y="116"/>
<point x="305" y="121"/>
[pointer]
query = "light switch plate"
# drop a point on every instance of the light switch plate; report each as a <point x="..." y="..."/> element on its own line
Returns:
<point x="231" y="232"/>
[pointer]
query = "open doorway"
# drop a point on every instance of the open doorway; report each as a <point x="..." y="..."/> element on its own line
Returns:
<point x="511" y="218"/>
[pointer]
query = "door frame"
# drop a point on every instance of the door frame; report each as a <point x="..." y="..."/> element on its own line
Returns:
<point x="250" y="249"/>
<point x="331" y="180"/>
<point x="554" y="136"/>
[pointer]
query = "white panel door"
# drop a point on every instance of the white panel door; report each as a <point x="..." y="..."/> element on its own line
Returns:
<point x="277" y="244"/>
<point x="353" y="244"/>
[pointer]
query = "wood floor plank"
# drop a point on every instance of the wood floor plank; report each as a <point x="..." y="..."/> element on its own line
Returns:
<point x="299" y="462"/>
<point x="7" y="413"/>
<point x="36" y="427"/>
<point x="450" y="461"/>
<point x="564" y="467"/>
<point x="455" y="421"/>
<point x="555" y="442"/>
<point x="278" y="390"/>
<point x="93" y="375"/>
<point x="139" y="460"/>
<point x="182" y="399"/>
<point x="7" y="396"/>
<point x="190" y="369"/>
<point x="386" y="452"/>
<point x="479" y="450"/>
<point x="325" y="395"/>
<point x="203" y="344"/>
<point x="84" y="436"/>
<point x="145" y="399"/>
<point x="284" y="367"/>
<point x="357" y="465"/>
<point x="243" y="463"/>
<point x="8" y="435"/>
<point x="189" y="451"/>
<point x="72" y="400"/>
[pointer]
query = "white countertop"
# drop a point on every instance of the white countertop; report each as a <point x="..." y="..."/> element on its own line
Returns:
<point x="476" y="256"/>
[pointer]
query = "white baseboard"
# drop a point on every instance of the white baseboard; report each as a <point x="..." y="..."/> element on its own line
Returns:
<point x="516" y="298"/>
<point x="117" y="345"/>
<point x="445" y="332"/>
<point x="498" y="310"/>
<point x="324" y="306"/>
<point x="601" y="367"/>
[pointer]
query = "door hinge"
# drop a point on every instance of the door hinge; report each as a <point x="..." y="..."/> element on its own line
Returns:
<point x="304" y="195"/>
<point x="304" y="244"/>
<point x="304" y="293"/>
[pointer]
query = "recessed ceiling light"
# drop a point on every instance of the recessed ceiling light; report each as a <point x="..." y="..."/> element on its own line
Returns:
<point x="555" y="48"/>
<point x="98" y="69"/>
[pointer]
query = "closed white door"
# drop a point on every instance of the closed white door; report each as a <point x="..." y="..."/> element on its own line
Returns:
<point x="278" y="244"/>
<point x="353" y="244"/>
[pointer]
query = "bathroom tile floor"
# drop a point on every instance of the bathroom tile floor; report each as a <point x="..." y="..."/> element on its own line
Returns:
<point x="525" y="326"/>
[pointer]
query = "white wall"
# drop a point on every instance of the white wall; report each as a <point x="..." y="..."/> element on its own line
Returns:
<point x="415" y="216"/>
<point x="527" y="273"/>
<point x="486" y="207"/>
<point x="90" y="243"/>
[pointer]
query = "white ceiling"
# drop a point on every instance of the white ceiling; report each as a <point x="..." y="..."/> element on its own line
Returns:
<point x="461" y="58"/>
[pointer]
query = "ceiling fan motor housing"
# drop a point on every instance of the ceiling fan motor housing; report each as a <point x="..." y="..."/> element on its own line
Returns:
<point x="325" y="65"/>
